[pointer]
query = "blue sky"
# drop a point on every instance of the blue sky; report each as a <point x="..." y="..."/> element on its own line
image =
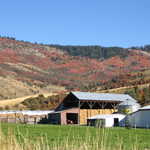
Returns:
<point x="77" y="22"/>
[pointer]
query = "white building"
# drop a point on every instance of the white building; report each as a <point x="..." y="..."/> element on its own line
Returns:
<point x="107" y="120"/>
<point x="140" y="118"/>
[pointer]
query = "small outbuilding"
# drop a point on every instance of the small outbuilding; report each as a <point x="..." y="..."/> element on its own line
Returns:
<point x="106" y="120"/>
<point x="140" y="118"/>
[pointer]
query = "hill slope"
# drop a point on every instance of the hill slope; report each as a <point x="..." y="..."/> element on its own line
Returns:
<point x="27" y="68"/>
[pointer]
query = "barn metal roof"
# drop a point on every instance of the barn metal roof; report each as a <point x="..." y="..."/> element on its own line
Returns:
<point x="103" y="96"/>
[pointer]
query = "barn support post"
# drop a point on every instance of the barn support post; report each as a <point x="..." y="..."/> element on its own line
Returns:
<point x="35" y="120"/>
<point x="100" y="108"/>
<point x="15" y="118"/>
<point x="103" y="106"/>
<point x="79" y="113"/>
<point x="91" y="104"/>
<point x="114" y="106"/>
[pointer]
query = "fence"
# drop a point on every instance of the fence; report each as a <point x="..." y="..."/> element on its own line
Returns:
<point x="19" y="118"/>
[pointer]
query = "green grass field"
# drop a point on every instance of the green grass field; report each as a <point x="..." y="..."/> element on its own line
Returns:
<point x="50" y="137"/>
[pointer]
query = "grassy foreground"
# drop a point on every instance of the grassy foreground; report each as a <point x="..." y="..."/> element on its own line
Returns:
<point x="49" y="137"/>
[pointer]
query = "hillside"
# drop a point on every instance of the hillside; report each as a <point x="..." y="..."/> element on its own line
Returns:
<point x="13" y="103"/>
<point x="27" y="68"/>
<point x="139" y="92"/>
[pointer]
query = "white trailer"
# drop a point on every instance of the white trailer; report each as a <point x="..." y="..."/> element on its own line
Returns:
<point x="107" y="120"/>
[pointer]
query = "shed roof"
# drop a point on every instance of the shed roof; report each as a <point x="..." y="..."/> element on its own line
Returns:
<point x="103" y="96"/>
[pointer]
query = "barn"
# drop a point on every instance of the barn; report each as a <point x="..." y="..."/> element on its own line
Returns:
<point x="140" y="118"/>
<point x="77" y="107"/>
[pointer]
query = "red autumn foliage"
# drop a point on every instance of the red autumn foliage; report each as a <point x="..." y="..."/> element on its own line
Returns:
<point x="52" y="66"/>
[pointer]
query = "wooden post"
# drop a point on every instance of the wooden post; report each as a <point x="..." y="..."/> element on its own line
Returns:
<point x="103" y="106"/>
<point x="100" y="105"/>
<point x="91" y="104"/>
<point x="79" y="113"/>
<point x="35" y="120"/>
<point x="15" y="118"/>
<point x="114" y="106"/>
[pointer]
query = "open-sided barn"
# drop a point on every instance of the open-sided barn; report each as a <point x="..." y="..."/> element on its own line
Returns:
<point x="77" y="107"/>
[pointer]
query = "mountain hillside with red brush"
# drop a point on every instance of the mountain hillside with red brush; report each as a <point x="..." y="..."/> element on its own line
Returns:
<point x="27" y="68"/>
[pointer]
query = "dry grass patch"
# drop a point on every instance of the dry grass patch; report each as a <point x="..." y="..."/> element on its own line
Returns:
<point x="15" y="101"/>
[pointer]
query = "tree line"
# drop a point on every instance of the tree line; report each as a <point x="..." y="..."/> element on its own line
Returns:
<point x="97" y="52"/>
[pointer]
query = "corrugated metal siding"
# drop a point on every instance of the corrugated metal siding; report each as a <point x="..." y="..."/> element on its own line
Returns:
<point x="140" y="119"/>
